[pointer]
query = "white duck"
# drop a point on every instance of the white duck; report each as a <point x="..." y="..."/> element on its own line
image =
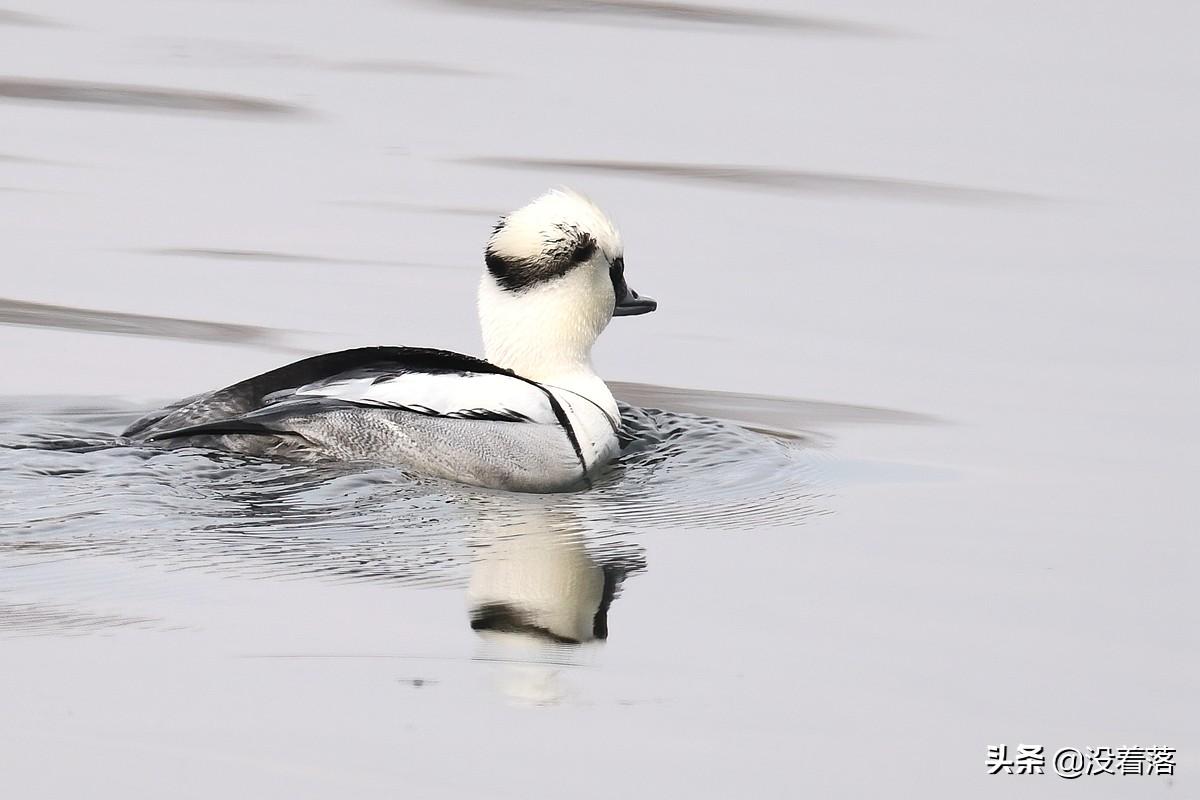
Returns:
<point x="534" y="416"/>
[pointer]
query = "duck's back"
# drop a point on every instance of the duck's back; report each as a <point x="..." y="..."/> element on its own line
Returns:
<point x="431" y="411"/>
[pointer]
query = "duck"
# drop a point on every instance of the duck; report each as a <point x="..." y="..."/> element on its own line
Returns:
<point x="531" y="416"/>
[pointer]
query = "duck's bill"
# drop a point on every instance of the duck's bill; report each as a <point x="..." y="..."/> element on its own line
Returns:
<point x="633" y="304"/>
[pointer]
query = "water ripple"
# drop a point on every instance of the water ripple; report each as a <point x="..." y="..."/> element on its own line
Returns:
<point x="140" y="97"/>
<point x="14" y="159"/>
<point x="226" y="254"/>
<point x="36" y="618"/>
<point x="218" y="511"/>
<point x="769" y="178"/>
<point x="684" y="14"/>
<point x="419" y="208"/>
<point x="26" y="20"/>
<point x="391" y="66"/>
<point x="784" y="417"/>
<point x="227" y="53"/>
<point x="70" y="318"/>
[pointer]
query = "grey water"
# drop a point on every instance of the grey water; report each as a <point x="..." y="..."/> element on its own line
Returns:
<point x="909" y="445"/>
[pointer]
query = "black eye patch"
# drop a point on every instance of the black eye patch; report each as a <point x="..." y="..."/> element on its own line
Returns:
<point x="565" y="247"/>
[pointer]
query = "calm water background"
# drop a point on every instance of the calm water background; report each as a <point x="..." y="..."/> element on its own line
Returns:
<point x="980" y="214"/>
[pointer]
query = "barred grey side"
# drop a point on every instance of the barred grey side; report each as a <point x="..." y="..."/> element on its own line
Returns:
<point x="514" y="456"/>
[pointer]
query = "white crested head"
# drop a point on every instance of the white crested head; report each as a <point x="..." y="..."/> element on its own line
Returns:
<point x="554" y="279"/>
<point x="546" y="236"/>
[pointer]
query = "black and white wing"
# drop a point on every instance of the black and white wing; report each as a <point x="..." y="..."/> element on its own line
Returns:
<point x="457" y="395"/>
<point x="422" y="381"/>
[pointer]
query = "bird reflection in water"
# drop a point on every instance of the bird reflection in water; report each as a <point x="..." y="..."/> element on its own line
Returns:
<point x="539" y="595"/>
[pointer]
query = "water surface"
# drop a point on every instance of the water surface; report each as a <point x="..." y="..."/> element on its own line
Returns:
<point x="910" y="456"/>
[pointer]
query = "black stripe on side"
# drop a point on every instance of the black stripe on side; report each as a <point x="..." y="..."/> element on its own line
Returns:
<point x="565" y="421"/>
<point x="616" y="428"/>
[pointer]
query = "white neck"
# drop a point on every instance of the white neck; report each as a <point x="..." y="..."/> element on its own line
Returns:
<point x="545" y="333"/>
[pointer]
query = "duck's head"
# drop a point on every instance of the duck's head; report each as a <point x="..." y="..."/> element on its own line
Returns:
<point x="555" y="276"/>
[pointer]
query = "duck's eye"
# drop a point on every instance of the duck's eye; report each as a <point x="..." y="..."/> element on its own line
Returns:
<point x="583" y="251"/>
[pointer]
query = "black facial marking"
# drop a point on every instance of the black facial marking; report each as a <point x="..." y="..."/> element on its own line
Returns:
<point x="504" y="271"/>
<point x="564" y="247"/>
<point x="616" y="271"/>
